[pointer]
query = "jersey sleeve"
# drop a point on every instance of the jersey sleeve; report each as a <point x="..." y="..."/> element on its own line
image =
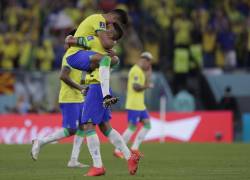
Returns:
<point x="134" y="77"/>
<point x="65" y="63"/>
<point x="99" y="23"/>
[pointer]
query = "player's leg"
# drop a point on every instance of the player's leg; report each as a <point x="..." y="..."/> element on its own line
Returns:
<point x="132" y="123"/>
<point x="90" y="115"/>
<point x="104" y="76"/>
<point x="81" y="60"/>
<point x="87" y="61"/>
<point x="116" y="139"/>
<point x="69" y="127"/>
<point x="145" y="119"/>
<point x="78" y="139"/>
<point x="96" y="59"/>
<point x="93" y="144"/>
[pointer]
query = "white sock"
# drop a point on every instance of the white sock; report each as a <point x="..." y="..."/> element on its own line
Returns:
<point x="104" y="75"/>
<point x="117" y="140"/>
<point x="94" y="149"/>
<point x="57" y="135"/>
<point x="76" y="148"/>
<point x="127" y="136"/>
<point x="139" y="138"/>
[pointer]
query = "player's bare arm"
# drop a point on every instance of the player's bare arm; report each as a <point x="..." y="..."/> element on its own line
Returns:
<point x="105" y="40"/>
<point x="137" y="87"/>
<point x="148" y="74"/>
<point x="64" y="76"/>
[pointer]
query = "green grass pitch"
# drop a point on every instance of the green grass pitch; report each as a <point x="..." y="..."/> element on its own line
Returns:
<point x="168" y="161"/>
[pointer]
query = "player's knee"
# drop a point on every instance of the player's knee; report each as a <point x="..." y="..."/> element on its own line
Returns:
<point x="80" y="133"/>
<point x="132" y="127"/>
<point x="71" y="131"/>
<point x="88" y="126"/>
<point x="105" y="61"/>
<point x="147" y="125"/>
<point x="105" y="128"/>
<point x="95" y="61"/>
<point x="107" y="132"/>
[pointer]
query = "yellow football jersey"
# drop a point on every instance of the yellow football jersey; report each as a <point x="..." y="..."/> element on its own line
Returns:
<point x="93" y="77"/>
<point x="88" y="27"/>
<point x="69" y="94"/>
<point x="96" y="46"/>
<point x="135" y="100"/>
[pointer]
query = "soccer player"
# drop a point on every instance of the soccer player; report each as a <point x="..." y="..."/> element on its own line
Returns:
<point x="95" y="25"/>
<point x="99" y="58"/>
<point x="95" y="114"/>
<point x="71" y="104"/>
<point x="138" y="81"/>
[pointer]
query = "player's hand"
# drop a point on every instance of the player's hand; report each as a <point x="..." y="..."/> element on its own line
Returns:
<point x="115" y="61"/>
<point x="69" y="41"/>
<point x="150" y="85"/>
<point x="149" y="72"/>
<point x="111" y="52"/>
<point x="84" y="91"/>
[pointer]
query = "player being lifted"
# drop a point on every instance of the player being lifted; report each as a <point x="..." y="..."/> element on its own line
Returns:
<point x="138" y="81"/>
<point x="95" y="114"/>
<point x="71" y="104"/>
<point x="71" y="99"/>
<point x="79" y="58"/>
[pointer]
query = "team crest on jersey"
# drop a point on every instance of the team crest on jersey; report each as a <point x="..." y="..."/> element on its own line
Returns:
<point x="90" y="38"/>
<point x="136" y="78"/>
<point x="102" y="25"/>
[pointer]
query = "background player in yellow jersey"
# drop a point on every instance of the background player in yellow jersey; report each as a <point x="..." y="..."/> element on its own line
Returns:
<point x="138" y="81"/>
<point x="95" y="25"/>
<point x="71" y="104"/>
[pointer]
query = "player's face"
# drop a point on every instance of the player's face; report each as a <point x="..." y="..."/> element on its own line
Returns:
<point x="146" y="64"/>
<point x="111" y="31"/>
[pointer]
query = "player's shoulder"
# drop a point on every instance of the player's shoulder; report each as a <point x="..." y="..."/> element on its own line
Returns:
<point x="135" y="68"/>
<point x="95" y="17"/>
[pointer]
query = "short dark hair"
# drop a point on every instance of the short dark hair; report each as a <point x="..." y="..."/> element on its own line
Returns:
<point x="72" y="32"/>
<point x="123" y="17"/>
<point x="118" y="31"/>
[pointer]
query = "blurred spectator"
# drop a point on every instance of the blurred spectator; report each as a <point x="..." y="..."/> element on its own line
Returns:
<point x="228" y="101"/>
<point x="209" y="45"/>
<point x="22" y="106"/>
<point x="247" y="63"/>
<point x="161" y="27"/>
<point x="45" y="56"/>
<point x="226" y="42"/>
<point x="182" y="27"/>
<point x="10" y="52"/>
<point x="184" y="101"/>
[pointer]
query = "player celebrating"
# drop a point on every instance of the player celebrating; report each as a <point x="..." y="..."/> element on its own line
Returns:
<point x="71" y="103"/>
<point x="138" y="81"/>
<point x="95" y="25"/>
<point x="95" y="114"/>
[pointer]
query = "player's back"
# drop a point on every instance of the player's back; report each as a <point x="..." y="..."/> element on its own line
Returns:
<point x="88" y="27"/>
<point x="135" y="99"/>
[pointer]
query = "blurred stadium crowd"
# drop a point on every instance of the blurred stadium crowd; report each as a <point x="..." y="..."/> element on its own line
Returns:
<point x="182" y="35"/>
